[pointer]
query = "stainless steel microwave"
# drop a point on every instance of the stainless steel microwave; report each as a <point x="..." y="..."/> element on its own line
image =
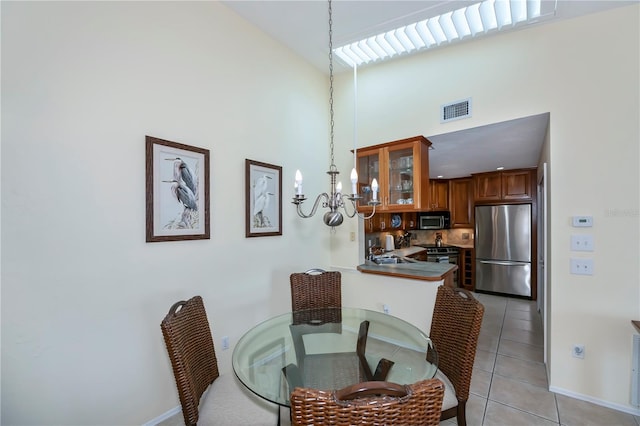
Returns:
<point x="434" y="220"/>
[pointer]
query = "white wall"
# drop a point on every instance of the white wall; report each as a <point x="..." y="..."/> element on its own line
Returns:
<point x="585" y="73"/>
<point x="82" y="293"/>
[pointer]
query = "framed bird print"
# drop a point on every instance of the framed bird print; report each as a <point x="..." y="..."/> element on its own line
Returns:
<point x="177" y="189"/>
<point x="263" y="199"/>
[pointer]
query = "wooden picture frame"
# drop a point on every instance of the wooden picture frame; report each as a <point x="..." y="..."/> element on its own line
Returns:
<point x="177" y="186"/>
<point x="263" y="199"/>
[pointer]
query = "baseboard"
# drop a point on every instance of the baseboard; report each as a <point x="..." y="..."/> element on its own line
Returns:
<point x="164" y="416"/>
<point x="608" y="404"/>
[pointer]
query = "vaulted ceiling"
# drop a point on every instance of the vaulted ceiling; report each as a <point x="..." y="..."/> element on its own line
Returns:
<point x="303" y="27"/>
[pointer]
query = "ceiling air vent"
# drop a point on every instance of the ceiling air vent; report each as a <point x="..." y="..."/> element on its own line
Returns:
<point x="455" y="110"/>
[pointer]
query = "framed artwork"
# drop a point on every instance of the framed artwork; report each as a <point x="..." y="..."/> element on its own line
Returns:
<point x="263" y="199"/>
<point x="177" y="191"/>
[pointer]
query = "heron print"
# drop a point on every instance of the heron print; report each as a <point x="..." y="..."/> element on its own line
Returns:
<point x="183" y="185"/>
<point x="262" y="194"/>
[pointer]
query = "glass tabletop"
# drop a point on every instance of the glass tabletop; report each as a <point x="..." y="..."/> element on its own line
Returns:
<point x="329" y="349"/>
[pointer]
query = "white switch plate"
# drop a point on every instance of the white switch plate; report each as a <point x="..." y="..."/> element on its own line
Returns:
<point x="582" y="242"/>
<point x="225" y="343"/>
<point x="582" y="266"/>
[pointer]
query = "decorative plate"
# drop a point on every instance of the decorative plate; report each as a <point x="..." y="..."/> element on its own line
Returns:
<point x="396" y="221"/>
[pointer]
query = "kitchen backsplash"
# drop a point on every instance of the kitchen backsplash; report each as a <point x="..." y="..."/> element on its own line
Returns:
<point x="457" y="237"/>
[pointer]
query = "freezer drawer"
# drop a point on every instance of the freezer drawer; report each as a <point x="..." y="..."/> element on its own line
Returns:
<point x="504" y="277"/>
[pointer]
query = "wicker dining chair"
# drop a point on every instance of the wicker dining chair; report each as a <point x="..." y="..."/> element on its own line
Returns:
<point x="369" y="403"/>
<point x="316" y="288"/>
<point x="455" y="326"/>
<point x="195" y="367"/>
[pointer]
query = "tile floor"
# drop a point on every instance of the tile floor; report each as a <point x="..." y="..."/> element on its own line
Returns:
<point x="509" y="384"/>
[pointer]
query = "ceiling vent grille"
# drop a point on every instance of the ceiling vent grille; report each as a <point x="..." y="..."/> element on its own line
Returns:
<point x="455" y="110"/>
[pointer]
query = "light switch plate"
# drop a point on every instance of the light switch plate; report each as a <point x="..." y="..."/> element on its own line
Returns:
<point x="582" y="242"/>
<point x="582" y="266"/>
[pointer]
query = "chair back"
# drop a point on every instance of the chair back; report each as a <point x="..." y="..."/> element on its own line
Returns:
<point x="316" y="289"/>
<point x="370" y="403"/>
<point x="190" y="346"/>
<point x="455" y="326"/>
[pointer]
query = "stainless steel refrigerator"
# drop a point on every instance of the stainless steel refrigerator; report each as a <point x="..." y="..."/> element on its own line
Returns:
<point x="503" y="249"/>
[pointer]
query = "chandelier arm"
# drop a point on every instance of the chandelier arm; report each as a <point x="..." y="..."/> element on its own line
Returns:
<point x="315" y="206"/>
<point x="344" y="207"/>
<point x="370" y="216"/>
<point x="355" y="208"/>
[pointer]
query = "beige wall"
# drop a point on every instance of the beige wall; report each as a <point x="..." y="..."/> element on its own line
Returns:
<point x="82" y="293"/>
<point x="82" y="83"/>
<point x="584" y="72"/>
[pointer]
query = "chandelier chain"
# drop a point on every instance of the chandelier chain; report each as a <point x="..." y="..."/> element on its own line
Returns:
<point x="334" y="200"/>
<point x="331" y="122"/>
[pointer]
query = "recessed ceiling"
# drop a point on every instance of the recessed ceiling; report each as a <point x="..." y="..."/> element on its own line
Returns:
<point x="512" y="144"/>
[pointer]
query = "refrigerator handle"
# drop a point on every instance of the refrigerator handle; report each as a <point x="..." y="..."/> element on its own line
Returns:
<point x="502" y="263"/>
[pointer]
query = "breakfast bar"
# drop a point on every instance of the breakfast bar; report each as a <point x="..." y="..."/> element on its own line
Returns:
<point x="419" y="270"/>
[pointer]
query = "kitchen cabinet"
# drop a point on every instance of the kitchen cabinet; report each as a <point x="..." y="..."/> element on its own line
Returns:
<point x="439" y="195"/>
<point x="401" y="169"/>
<point x="461" y="202"/>
<point x="379" y="222"/>
<point x="488" y="186"/>
<point x="516" y="184"/>
<point x="410" y="221"/>
<point x="506" y="185"/>
<point x="391" y="222"/>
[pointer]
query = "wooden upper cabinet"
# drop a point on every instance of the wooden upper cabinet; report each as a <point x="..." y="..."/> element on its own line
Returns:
<point x="516" y="185"/>
<point x="506" y="185"/>
<point x="401" y="169"/>
<point x="439" y="195"/>
<point x="488" y="186"/>
<point x="461" y="202"/>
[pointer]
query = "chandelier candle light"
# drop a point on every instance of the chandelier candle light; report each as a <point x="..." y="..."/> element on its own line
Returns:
<point x="335" y="199"/>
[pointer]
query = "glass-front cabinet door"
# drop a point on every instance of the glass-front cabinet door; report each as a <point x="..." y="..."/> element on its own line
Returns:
<point x="401" y="169"/>
<point x="400" y="182"/>
<point x="368" y="169"/>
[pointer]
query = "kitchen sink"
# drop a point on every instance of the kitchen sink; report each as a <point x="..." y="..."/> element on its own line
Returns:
<point x="384" y="260"/>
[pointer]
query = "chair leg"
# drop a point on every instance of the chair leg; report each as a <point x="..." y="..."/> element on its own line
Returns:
<point x="461" y="416"/>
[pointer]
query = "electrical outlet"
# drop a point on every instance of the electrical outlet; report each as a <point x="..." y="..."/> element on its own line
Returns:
<point x="386" y="309"/>
<point x="578" y="351"/>
<point x="352" y="236"/>
<point x="582" y="266"/>
<point x="582" y="242"/>
<point x="225" y="343"/>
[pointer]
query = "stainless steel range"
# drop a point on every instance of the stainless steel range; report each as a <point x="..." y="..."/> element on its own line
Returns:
<point x="442" y="254"/>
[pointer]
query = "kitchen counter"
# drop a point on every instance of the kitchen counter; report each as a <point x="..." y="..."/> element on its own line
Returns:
<point x="428" y="271"/>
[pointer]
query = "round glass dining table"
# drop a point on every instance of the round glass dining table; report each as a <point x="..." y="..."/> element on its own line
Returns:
<point x="330" y="349"/>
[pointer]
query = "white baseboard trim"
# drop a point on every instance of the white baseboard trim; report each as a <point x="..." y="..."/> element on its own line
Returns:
<point x="608" y="404"/>
<point x="164" y="416"/>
